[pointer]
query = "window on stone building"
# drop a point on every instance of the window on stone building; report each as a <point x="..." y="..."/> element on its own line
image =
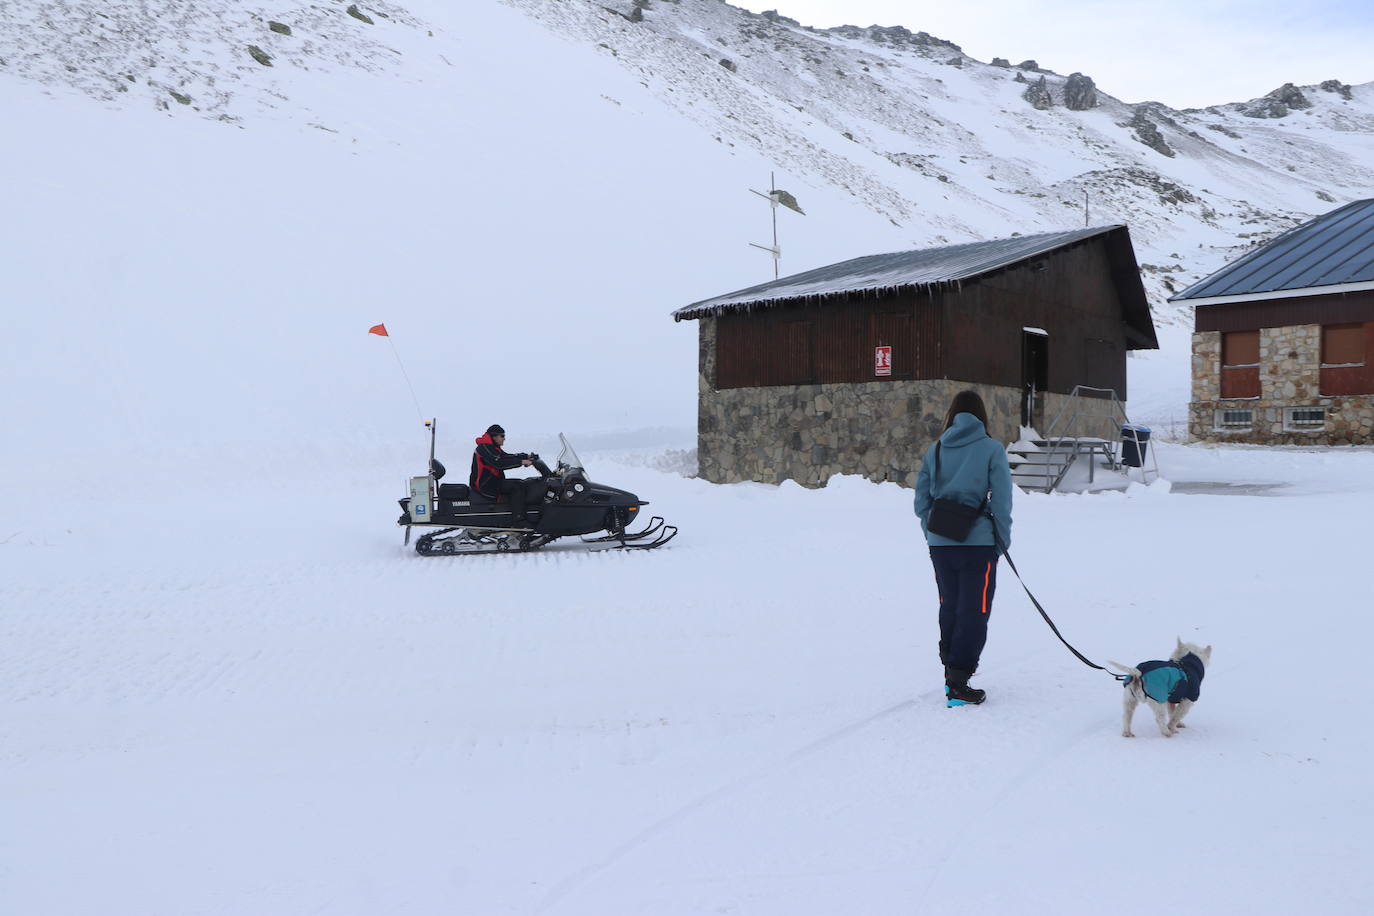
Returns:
<point x="1235" y="420"/>
<point x="1240" y="364"/>
<point x="1343" y="346"/>
<point x="1303" y="419"/>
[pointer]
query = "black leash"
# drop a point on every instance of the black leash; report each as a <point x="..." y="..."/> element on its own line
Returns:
<point x="1002" y="548"/>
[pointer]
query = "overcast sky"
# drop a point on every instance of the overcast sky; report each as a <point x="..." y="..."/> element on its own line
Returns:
<point x="1185" y="54"/>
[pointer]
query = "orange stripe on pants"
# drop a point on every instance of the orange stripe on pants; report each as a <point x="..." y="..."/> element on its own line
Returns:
<point x="986" y="576"/>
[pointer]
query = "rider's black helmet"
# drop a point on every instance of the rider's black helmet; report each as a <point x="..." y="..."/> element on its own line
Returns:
<point x="495" y="430"/>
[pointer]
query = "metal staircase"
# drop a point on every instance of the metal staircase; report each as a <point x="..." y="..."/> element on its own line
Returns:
<point x="1089" y="425"/>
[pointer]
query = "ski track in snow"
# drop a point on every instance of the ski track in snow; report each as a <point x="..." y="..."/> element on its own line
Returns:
<point x="572" y="882"/>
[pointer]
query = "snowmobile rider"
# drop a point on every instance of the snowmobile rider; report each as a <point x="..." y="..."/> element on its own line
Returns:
<point x="489" y="466"/>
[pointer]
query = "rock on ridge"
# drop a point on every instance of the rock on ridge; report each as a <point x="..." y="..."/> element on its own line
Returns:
<point x="1339" y="87"/>
<point x="1080" y="92"/>
<point x="896" y="36"/>
<point x="1147" y="132"/>
<point x="1277" y="104"/>
<point x="1039" y="95"/>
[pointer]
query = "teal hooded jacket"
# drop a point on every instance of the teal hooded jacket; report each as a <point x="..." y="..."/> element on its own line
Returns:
<point x="972" y="465"/>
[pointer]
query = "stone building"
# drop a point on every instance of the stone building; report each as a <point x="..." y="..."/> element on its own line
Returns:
<point x="848" y="369"/>
<point x="1283" y="342"/>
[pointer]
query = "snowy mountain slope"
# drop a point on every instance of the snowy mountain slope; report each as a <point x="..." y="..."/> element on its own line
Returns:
<point x="180" y="285"/>
<point x="218" y="60"/>
<point x="943" y="146"/>
<point x="497" y="180"/>
<point x="948" y="147"/>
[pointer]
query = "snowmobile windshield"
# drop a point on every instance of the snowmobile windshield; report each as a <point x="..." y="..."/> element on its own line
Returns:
<point x="567" y="458"/>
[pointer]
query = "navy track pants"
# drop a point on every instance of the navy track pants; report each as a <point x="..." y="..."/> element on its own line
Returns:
<point x="967" y="579"/>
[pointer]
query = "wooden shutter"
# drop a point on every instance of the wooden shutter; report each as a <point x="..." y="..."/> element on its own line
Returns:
<point x="1343" y="345"/>
<point x="1240" y="349"/>
<point x="1347" y="365"/>
<point x="1240" y="364"/>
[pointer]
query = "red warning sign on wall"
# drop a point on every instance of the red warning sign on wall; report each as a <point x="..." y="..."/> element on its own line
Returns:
<point x="882" y="360"/>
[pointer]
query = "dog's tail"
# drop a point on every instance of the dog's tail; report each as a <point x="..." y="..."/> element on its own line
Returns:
<point x="1132" y="673"/>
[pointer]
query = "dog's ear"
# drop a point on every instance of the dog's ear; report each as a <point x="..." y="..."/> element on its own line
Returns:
<point x="1207" y="653"/>
<point x="1179" y="640"/>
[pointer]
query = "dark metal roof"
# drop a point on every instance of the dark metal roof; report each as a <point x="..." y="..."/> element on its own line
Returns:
<point x="932" y="268"/>
<point x="1332" y="250"/>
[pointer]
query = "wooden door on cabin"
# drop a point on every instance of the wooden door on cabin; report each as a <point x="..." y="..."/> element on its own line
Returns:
<point x="1035" y="376"/>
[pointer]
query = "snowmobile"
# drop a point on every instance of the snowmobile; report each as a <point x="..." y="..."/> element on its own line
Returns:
<point x="572" y="506"/>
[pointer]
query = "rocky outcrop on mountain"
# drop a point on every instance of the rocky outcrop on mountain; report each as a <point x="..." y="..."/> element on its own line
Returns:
<point x="1039" y="95"/>
<point x="895" y="36"/>
<point x="1339" y="87"/>
<point x="636" y="13"/>
<point x="1029" y="65"/>
<point x="359" y="15"/>
<point x="775" y="16"/>
<point x="1080" y="92"/>
<point x="1001" y="62"/>
<point x="1147" y="132"/>
<point x="1277" y="104"/>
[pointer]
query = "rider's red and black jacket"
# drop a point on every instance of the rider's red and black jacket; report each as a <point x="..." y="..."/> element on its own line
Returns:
<point x="489" y="466"/>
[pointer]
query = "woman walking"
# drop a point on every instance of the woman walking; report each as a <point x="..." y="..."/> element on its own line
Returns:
<point x="968" y="468"/>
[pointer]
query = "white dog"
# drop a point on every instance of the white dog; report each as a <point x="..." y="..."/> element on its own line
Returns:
<point x="1176" y="683"/>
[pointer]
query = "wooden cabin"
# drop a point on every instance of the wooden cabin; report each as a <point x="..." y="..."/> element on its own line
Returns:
<point x="848" y="369"/>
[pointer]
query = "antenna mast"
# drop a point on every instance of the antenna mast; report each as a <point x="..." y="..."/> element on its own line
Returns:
<point x="772" y="198"/>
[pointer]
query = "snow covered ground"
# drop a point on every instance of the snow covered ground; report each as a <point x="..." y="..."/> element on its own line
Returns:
<point x="232" y="693"/>
<point x="227" y="689"/>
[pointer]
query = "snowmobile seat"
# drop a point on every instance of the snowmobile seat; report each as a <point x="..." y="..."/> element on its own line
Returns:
<point x="458" y="492"/>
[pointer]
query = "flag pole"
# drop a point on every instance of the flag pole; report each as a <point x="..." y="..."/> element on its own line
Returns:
<point x="418" y="412"/>
<point x="381" y="331"/>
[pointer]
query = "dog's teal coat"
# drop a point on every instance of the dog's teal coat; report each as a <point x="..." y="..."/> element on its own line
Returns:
<point x="1172" y="682"/>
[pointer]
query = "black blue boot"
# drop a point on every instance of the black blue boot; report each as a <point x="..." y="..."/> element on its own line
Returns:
<point x="957" y="690"/>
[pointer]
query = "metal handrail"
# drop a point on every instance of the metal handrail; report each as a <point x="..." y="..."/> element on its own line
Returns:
<point x="1055" y="439"/>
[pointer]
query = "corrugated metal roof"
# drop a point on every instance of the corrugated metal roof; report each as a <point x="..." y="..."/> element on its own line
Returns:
<point x="1332" y="250"/>
<point x="888" y="272"/>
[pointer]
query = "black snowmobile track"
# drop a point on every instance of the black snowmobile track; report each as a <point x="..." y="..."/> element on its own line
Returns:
<point x="435" y="544"/>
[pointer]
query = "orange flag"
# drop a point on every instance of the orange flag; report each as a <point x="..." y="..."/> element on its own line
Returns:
<point x="379" y="330"/>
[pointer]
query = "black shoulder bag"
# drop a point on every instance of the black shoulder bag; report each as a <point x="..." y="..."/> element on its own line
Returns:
<point x="950" y="518"/>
